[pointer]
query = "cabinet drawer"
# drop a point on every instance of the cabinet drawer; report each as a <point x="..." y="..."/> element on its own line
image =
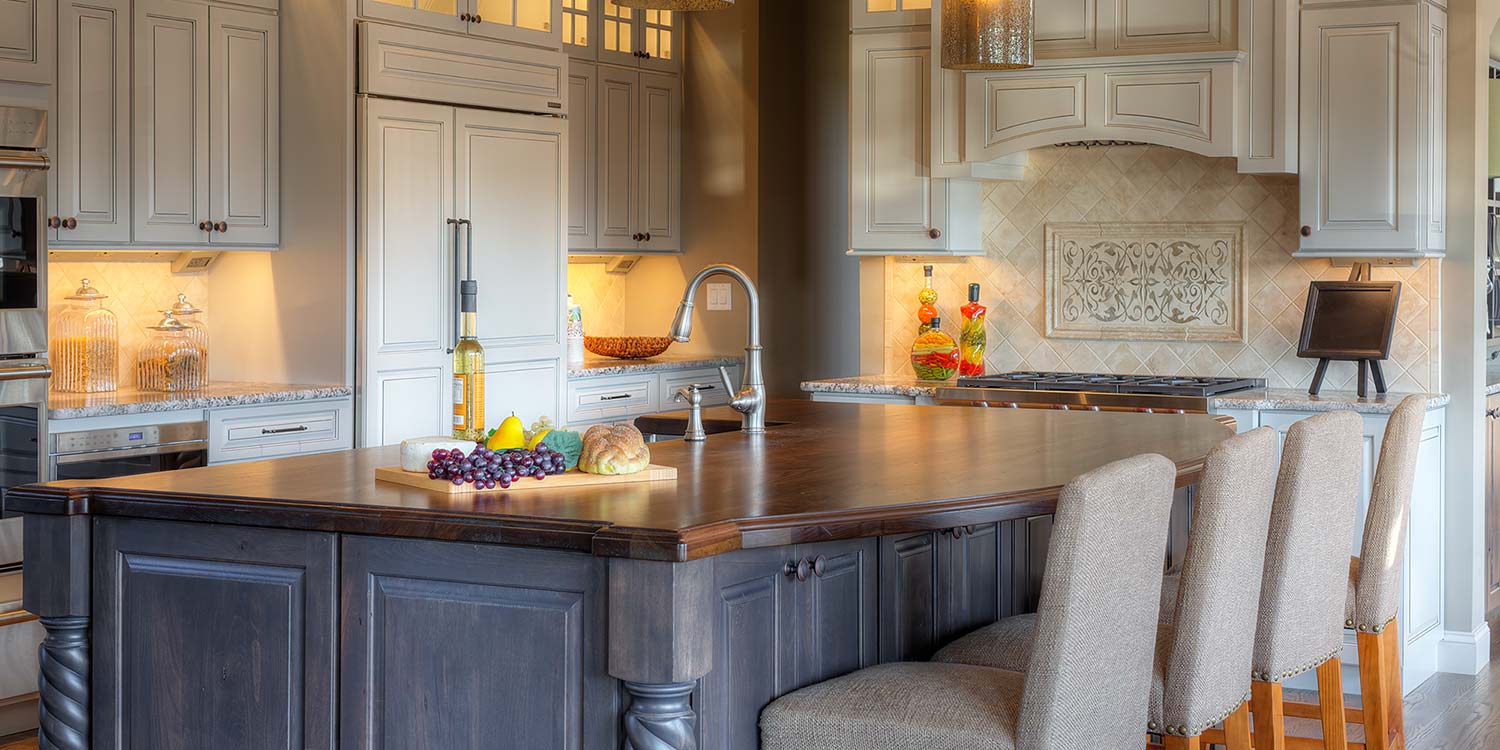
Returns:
<point x="430" y="66"/>
<point x="279" y="430"/>
<point x="712" y="390"/>
<point x="623" y="397"/>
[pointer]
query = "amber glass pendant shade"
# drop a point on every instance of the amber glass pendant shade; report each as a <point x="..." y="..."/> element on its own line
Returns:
<point x="676" y="4"/>
<point x="988" y="34"/>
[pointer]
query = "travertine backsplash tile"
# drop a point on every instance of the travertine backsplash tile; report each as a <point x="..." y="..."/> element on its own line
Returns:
<point x="1138" y="184"/>
<point x="602" y="297"/>
<point x="138" y="292"/>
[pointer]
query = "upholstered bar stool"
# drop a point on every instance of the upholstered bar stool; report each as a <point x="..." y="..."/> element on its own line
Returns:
<point x="1374" y="590"/>
<point x="1202" y="665"/>
<point x="1086" y="686"/>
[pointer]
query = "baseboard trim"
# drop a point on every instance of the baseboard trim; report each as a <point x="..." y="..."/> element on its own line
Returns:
<point x="1464" y="652"/>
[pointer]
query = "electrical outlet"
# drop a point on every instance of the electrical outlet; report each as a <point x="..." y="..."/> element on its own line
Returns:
<point x="718" y="297"/>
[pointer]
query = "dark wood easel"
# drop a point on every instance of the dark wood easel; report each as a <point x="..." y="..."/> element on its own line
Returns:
<point x="1369" y="367"/>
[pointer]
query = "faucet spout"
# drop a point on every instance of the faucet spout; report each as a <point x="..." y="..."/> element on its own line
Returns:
<point x="750" y="400"/>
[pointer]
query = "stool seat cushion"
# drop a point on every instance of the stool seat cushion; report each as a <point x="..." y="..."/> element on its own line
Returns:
<point x="1002" y="645"/>
<point x="899" y="706"/>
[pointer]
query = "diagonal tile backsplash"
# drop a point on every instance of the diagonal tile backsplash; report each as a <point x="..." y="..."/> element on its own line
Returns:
<point x="1147" y="184"/>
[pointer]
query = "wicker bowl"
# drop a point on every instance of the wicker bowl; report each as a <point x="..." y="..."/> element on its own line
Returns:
<point x="627" y="347"/>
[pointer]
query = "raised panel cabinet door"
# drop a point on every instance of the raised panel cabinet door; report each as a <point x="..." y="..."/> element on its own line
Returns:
<point x="442" y="15"/>
<point x="472" y="647"/>
<point x="661" y="37"/>
<point x="236" y="624"/>
<point x="244" y="127"/>
<point x="969" y="588"/>
<point x="1359" y="177"/>
<point x="583" y="154"/>
<point x="910" y="603"/>
<point x="580" y="29"/>
<point x="27" y="37"/>
<point x="618" y="38"/>
<point x="660" y="169"/>
<point x="839" y="610"/>
<point x="893" y="198"/>
<point x="92" y="145"/>
<point x="529" y="388"/>
<point x="406" y="266"/>
<point x="511" y="184"/>
<point x="1174" y="23"/>
<point x="618" y="166"/>
<point x="171" y="122"/>
<point x="876" y="14"/>
<point x="756" y="644"/>
<point x="537" y="22"/>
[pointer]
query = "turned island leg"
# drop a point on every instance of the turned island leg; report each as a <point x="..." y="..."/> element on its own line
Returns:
<point x="660" y="644"/>
<point x="56" y="589"/>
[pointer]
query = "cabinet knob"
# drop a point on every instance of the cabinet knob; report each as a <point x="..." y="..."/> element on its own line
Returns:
<point x="646" y="237"/>
<point x="221" y="226"/>
<point x="819" y="565"/>
<point x="799" y="569"/>
<point x="638" y="237"/>
<point x="463" y="17"/>
<point x="54" y="222"/>
<point x="70" y="223"/>
<point x="1492" y="413"/>
<point x="205" y="226"/>
<point x="935" y="233"/>
<point x="1306" y="231"/>
<point x="476" y="19"/>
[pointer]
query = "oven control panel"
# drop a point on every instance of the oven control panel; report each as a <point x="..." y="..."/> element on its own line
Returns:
<point x="90" y="441"/>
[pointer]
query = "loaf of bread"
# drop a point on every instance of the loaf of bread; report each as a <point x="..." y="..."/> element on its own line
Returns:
<point x="614" y="449"/>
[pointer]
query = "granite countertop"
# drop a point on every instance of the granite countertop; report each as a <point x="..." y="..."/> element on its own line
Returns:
<point x="595" y="366"/>
<point x="217" y="395"/>
<point x="1262" y="399"/>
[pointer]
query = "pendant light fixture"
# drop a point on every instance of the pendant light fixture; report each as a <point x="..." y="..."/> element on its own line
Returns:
<point x="676" y="4"/>
<point x="988" y="34"/>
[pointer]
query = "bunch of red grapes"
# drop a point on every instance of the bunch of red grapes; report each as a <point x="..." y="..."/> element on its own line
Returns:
<point x="487" y="469"/>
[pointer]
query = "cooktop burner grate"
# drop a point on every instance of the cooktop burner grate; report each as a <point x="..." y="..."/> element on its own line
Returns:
<point x="1110" y="383"/>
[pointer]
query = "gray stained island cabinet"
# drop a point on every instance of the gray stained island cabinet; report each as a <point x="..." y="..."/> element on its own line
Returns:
<point x="298" y="603"/>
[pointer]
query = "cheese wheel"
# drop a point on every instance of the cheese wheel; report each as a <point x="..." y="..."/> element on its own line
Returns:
<point x="416" y="452"/>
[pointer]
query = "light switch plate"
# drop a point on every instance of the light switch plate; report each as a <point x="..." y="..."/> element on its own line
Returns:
<point x="718" y="297"/>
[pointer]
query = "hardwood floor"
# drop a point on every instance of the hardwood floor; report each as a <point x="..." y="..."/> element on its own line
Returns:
<point x="1448" y="712"/>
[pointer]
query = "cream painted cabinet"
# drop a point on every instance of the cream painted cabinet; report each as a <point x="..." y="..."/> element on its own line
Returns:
<point x="171" y="122"/>
<point x="206" y="125"/>
<point x="244" y="133"/>
<point x="876" y="14"/>
<point x="91" y="144"/>
<point x="896" y="205"/>
<point x="423" y="164"/>
<point x="27" y="36"/>
<point x="602" y="31"/>
<point x="536" y="22"/>
<point x="1372" y="131"/>
<point x="583" y="154"/>
<point x="637" y="171"/>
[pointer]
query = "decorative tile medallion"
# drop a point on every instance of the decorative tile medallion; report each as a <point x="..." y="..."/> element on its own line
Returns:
<point x="1146" y="281"/>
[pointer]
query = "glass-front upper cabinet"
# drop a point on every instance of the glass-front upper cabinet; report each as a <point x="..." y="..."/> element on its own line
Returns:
<point x="635" y="38"/>
<point x="876" y="14"/>
<point x="528" y="21"/>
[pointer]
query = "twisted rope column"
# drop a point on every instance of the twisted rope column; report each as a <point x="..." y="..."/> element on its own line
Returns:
<point x="64" y="684"/>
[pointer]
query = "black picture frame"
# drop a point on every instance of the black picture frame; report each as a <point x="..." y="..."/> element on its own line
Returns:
<point x="1352" y="321"/>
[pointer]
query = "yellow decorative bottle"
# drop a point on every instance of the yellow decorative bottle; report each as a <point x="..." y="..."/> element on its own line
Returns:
<point x="468" y="368"/>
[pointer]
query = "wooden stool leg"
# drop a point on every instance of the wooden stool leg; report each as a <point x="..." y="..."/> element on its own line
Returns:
<point x="1397" y="723"/>
<point x="1237" y="728"/>
<point x="1183" y="743"/>
<point x="1375" y="689"/>
<point x="1331" y="703"/>
<point x="1269" y="709"/>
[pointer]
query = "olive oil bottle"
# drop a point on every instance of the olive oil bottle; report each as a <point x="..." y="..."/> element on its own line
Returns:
<point x="468" y="368"/>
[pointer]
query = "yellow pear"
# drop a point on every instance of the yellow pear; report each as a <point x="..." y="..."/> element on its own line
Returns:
<point x="510" y="435"/>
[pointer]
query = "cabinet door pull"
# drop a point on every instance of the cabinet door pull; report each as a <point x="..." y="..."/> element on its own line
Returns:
<point x="646" y="237"/>
<point x="1306" y="231"/>
<point x="935" y="233"/>
<point x="71" y="223"/>
<point x="798" y="569"/>
<point x="819" y="566"/>
<point x="476" y="19"/>
<point x="205" y="226"/>
<point x="463" y="17"/>
<point x="1492" y="413"/>
<point x="282" y="430"/>
<point x="615" y="397"/>
<point x="221" y="227"/>
<point x="54" y="222"/>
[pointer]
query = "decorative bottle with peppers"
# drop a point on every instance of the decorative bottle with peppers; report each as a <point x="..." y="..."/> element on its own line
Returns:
<point x="927" y="298"/>
<point x="934" y="355"/>
<point x="971" y="336"/>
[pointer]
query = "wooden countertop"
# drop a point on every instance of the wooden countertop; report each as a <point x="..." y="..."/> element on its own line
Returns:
<point x="834" y="471"/>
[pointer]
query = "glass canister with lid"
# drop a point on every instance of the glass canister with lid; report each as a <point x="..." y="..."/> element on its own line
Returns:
<point x="170" y="360"/>
<point x="192" y="316"/>
<point x="85" y="345"/>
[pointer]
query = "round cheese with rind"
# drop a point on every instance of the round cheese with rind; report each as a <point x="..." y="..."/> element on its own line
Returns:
<point x="416" y="452"/>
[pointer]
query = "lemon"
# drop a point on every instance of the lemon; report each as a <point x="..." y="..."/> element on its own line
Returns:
<point x="537" y="439"/>
<point x="511" y="434"/>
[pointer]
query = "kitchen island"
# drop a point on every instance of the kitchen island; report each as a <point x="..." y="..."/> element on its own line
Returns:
<point x="300" y="603"/>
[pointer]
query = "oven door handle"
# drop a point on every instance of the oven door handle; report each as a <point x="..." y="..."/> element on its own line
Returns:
<point x="64" y="459"/>
<point x="25" y="372"/>
<point x="30" y="160"/>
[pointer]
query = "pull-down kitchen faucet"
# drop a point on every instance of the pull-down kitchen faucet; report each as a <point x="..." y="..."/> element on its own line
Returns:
<point x="750" y="399"/>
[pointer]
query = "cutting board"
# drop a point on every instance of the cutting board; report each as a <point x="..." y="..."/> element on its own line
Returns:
<point x="572" y="479"/>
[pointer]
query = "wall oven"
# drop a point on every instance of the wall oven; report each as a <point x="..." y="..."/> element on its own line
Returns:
<point x="23" y="232"/>
<point x="23" y="436"/>
<point x="126" y="451"/>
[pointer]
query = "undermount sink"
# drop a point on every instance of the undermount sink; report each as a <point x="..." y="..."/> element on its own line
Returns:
<point x="673" y="430"/>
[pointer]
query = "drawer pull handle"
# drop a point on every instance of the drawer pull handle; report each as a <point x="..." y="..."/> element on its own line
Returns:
<point x="283" y="430"/>
<point x="615" y="397"/>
